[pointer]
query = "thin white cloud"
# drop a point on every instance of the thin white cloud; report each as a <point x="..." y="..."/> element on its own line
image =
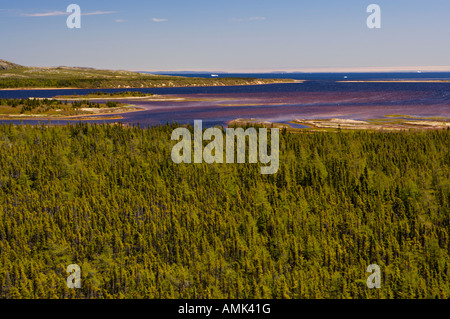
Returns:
<point x="13" y="12"/>
<point x="45" y="14"/>
<point x="96" y="13"/>
<point x="159" y="20"/>
<point x="61" y="13"/>
<point x="248" y="19"/>
<point x="120" y="20"/>
<point x="257" y="18"/>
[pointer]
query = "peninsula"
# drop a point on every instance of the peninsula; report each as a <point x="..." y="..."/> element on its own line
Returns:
<point x="15" y="76"/>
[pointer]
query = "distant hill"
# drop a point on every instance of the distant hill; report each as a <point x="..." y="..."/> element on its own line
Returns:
<point x="16" y="76"/>
<point x="6" y="65"/>
<point x="185" y="72"/>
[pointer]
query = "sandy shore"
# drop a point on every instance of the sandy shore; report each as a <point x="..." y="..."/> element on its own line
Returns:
<point x="39" y="89"/>
<point x="379" y="124"/>
<point x="142" y="98"/>
<point x="347" y="124"/>
<point x="256" y="82"/>
<point x="94" y="115"/>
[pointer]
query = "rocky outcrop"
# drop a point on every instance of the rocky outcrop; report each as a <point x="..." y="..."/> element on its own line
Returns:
<point x="6" y="65"/>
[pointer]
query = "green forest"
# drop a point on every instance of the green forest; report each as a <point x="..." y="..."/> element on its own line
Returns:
<point x="144" y="81"/>
<point x="17" y="76"/>
<point x="12" y="107"/>
<point x="109" y="199"/>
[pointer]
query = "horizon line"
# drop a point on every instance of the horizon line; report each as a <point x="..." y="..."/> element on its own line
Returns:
<point x="378" y="69"/>
<point x="312" y="70"/>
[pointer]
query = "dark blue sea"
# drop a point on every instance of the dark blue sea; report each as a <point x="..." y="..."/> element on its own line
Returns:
<point x="325" y="76"/>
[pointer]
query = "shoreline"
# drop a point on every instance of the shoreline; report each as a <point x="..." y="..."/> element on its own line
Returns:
<point x="158" y="98"/>
<point x="97" y="113"/>
<point x="257" y="82"/>
<point x="335" y="124"/>
<point x="42" y="89"/>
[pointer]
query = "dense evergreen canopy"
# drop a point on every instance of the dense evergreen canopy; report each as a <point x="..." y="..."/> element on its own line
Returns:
<point x="110" y="199"/>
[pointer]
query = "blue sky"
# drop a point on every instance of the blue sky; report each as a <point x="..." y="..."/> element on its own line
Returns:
<point x="228" y="35"/>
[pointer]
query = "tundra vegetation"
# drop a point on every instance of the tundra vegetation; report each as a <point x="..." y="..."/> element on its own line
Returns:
<point x="13" y="76"/>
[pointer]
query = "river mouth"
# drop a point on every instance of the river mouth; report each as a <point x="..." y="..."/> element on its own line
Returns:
<point x="277" y="103"/>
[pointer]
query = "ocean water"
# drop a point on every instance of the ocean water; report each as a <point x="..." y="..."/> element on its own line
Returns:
<point x="326" y="76"/>
<point x="321" y="96"/>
